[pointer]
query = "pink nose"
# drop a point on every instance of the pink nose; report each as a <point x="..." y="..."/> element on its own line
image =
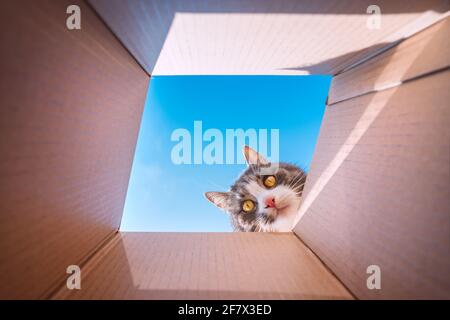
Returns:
<point x="270" y="202"/>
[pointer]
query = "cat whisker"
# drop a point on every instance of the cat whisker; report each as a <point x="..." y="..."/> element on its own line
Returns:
<point x="293" y="181"/>
<point x="300" y="187"/>
<point x="296" y="185"/>
<point x="282" y="198"/>
<point x="299" y="184"/>
<point x="297" y="177"/>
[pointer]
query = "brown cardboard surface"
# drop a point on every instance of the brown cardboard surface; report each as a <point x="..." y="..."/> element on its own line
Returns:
<point x="378" y="190"/>
<point x="427" y="51"/>
<point x="71" y="104"/>
<point x="206" y="266"/>
<point x="258" y="36"/>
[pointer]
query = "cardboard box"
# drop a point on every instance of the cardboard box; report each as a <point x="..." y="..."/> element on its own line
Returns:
<point x="377" y="192"/>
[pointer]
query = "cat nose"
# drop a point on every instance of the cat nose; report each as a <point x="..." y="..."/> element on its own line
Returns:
<point x="270" y="202"/>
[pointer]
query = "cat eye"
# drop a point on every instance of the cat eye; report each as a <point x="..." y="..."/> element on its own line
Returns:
<point x="248" y="205"/>
<point x="270" y="181"/>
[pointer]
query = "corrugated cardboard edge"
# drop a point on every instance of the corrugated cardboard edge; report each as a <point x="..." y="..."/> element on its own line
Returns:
<point x="124" y="268"/>
<point x="440" y="68"/>
<point x="89" y="263"/>
<point x="400" y="56"/>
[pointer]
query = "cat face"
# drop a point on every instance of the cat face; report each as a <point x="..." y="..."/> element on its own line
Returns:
<point x="265" y="197"/>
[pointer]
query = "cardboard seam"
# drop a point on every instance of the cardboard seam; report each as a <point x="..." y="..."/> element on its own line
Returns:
<point x="394" y="84"/>
<point x="115" y="36"/>
<point x="56" y="290"/>
<point x="389" y="46"/>
<point x="326" y="266"/>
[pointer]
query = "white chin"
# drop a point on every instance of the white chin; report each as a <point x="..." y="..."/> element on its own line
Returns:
<point x="283" y="222"/>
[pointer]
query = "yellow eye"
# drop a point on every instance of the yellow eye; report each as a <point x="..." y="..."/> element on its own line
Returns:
<point x="270" y="181"/>
<point x="248" y="205"/>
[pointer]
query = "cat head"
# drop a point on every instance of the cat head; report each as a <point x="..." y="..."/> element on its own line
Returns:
<point x="266" y="197"/>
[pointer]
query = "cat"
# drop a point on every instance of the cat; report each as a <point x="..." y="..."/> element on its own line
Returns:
<point x="265" y="198"/>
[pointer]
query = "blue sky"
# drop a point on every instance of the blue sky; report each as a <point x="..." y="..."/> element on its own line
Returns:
<point x="163" y="196"/>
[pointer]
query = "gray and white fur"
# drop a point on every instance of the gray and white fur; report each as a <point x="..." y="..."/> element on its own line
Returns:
<point x="273" y="202"/>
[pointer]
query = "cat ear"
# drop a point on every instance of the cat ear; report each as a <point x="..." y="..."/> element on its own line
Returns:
<point x="218" y="198"/>
<point x="253" y="157"/>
